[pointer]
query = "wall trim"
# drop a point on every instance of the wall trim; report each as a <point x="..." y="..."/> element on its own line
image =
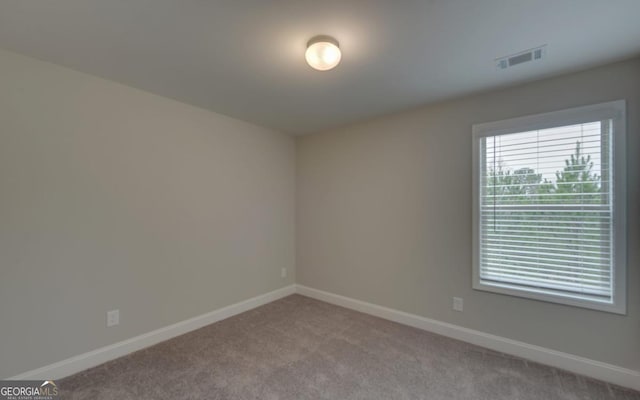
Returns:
<point x="579" y="365"/>
<point x="96" y="357"/>
<point x="576" y="364"/>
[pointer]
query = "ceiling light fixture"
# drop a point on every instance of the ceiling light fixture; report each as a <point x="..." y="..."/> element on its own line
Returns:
<point x="323" y="53"/>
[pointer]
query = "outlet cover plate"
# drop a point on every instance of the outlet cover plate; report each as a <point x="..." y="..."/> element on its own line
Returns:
<point x="113" y="318"/>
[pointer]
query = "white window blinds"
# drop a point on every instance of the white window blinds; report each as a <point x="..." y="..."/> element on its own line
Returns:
<point x="546" y="209"/>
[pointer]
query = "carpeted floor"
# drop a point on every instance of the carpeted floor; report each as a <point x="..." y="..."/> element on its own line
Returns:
<point x="298" y="348"/>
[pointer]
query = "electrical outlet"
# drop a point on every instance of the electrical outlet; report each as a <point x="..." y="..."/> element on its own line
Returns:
<point x="113" y="318"/>
<point x="458" y="304"/>
<point x="283" y="273"/>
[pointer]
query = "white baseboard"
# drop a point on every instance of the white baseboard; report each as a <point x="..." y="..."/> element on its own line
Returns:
<point x="96" y="357"/>
<point x="579" y="365"/>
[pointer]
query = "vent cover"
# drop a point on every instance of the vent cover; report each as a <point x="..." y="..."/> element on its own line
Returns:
<point x="526" y="56"/>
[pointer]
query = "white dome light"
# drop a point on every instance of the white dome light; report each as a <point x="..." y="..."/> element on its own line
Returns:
<point x="323" y="53"/>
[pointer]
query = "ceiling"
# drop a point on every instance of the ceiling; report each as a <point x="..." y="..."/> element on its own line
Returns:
<point x="245" y="58"/>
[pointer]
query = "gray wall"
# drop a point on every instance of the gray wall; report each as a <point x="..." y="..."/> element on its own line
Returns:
<point x="384" y="215"/>
<point x="116" y="198"/>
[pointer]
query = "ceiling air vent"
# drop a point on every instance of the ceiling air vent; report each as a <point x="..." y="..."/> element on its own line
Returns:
<point x="520" y="58"/>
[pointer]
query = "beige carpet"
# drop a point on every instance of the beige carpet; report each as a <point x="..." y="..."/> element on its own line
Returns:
<point x="299" y="348"/>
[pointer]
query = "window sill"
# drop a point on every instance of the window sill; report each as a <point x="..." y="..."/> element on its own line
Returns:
<point x="551" y="296"/>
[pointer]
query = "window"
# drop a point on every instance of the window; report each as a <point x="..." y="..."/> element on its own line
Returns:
<point x="549" y="207"/>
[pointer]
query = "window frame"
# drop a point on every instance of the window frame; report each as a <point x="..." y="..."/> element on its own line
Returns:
<point x="615" y="111"/>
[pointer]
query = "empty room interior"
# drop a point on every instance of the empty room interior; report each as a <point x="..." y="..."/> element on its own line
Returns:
<point x="341" y="199"/>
